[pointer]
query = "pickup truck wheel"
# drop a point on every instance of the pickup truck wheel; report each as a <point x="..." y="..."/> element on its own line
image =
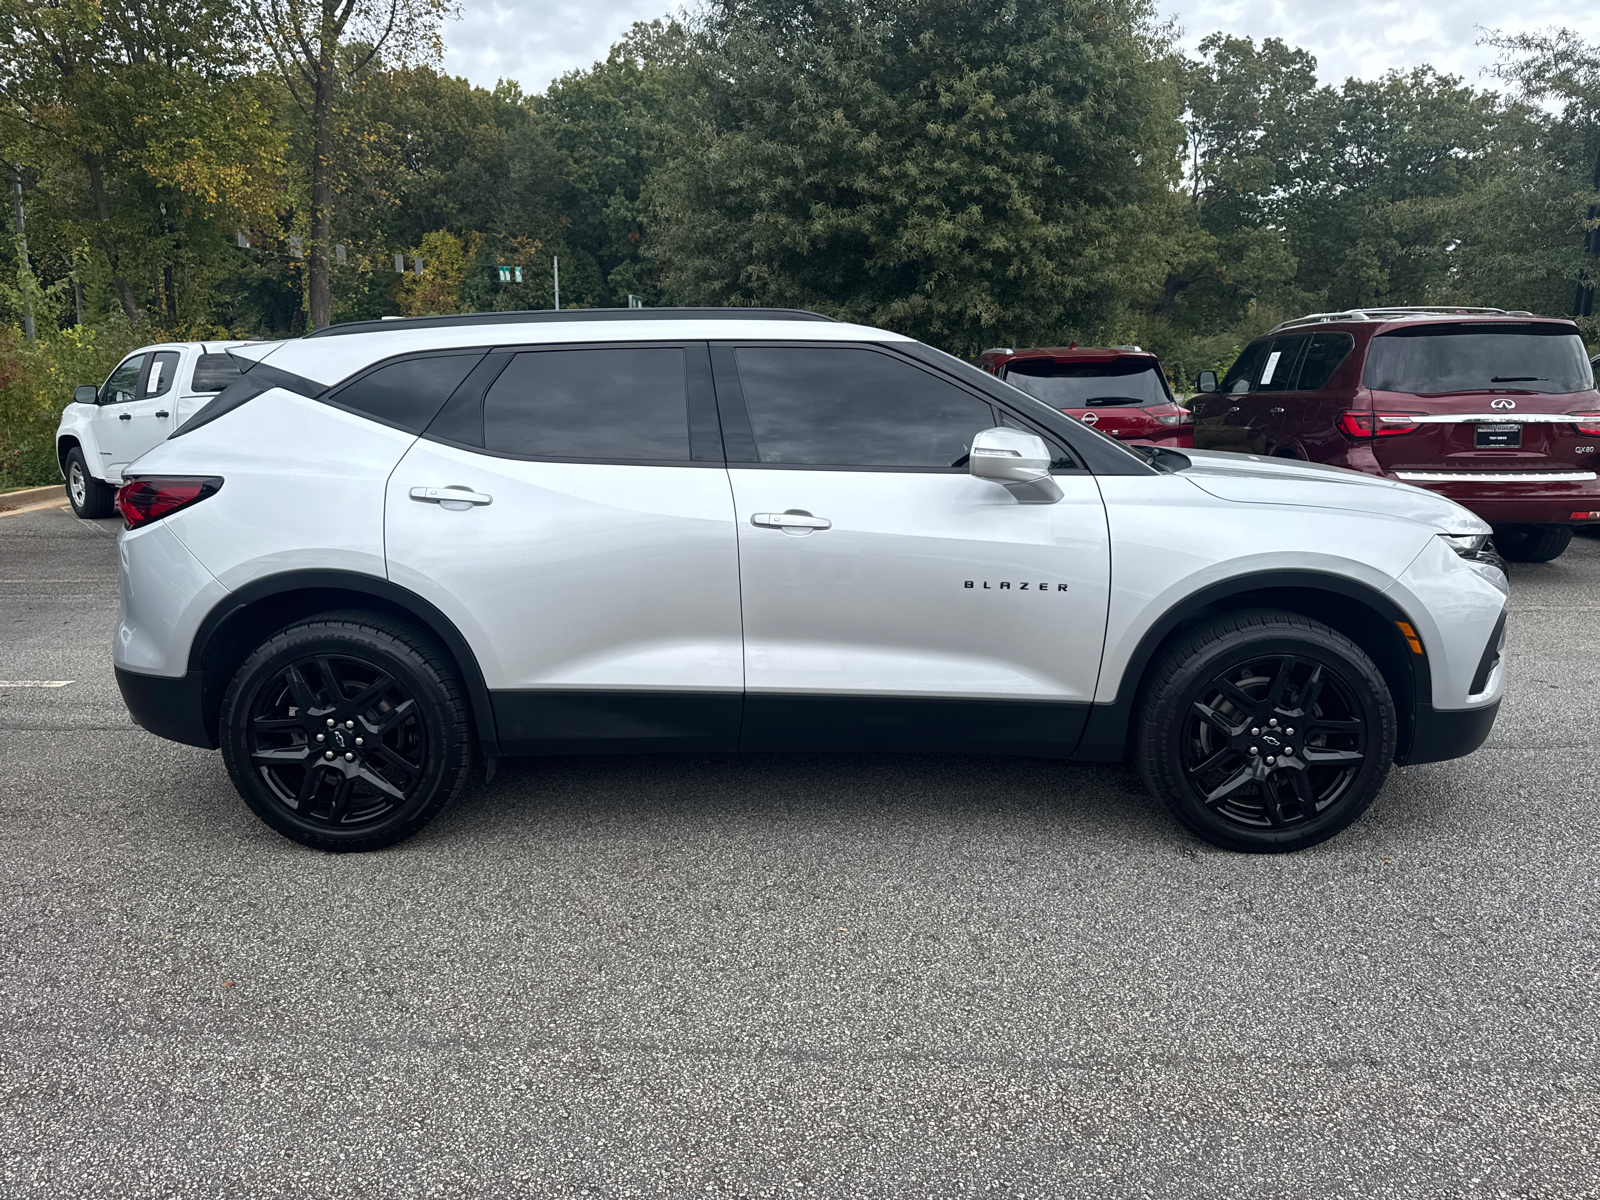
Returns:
<point x="1532" y="543"/>
<point x="1266" y="731"/>
<point x="348" y="731"/>
<point x="90" y="498"/>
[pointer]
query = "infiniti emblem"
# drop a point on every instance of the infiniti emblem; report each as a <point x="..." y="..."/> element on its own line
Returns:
<point x="1503" y="402"/>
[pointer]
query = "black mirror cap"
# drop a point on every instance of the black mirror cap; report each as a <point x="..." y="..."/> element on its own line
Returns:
<point x="85" y="393"/>
<point x="1207" y="382"/>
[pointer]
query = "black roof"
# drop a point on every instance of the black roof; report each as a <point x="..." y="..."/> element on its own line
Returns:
<point x="553" y="316"/>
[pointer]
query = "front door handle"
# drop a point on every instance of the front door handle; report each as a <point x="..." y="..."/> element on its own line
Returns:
<point x="793" y="519"/>
<point x="161" y="412"/>
<point x="450" y="495"/>
<point x="1275" y="410"/>
<point x="124" y="416"/>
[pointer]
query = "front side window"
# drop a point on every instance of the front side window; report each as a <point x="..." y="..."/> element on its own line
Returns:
<point x="1479" y="357"/>
<point x="124" y="382"/>
<point x="843" y="406"/>
<point x="1242" y="375"/>
<point x="1121" y="382"/>
<point x="625" y="403"/>
<point x="408" y="393"/>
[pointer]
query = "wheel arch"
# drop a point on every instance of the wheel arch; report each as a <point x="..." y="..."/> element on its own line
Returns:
<point x="66" y="443"/>
<point x="1361" y="613"/>
<point x="248" y="616"/>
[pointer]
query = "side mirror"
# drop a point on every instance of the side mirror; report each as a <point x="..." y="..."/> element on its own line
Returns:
<point x="1017" y="461"/>
<point x="85" y="393"/>
<point x="1207" y="382"/>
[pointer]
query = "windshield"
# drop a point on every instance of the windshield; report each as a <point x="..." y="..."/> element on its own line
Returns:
<point x="1136" y="381"/>
<point x="1500" y="357"/>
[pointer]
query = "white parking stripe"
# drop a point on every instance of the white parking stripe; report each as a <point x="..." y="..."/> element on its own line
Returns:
<point x="4" y="683"/>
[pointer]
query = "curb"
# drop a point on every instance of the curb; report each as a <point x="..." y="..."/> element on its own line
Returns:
<point x="29" y="499"/>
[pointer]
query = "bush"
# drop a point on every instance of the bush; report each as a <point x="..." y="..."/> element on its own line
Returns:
<point x="36" y="382"/>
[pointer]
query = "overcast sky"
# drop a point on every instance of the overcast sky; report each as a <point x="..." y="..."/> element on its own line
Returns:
<point x="534" y="41"/>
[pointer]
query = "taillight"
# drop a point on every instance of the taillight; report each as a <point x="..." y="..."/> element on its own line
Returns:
<point x="1357" y="423"/>
<point x="1588" y="423"/>
<point x="147" y="500"/>
<point x="1177" y="416"/>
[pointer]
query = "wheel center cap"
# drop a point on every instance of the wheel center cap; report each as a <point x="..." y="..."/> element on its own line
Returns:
<point x="339" y="740"/>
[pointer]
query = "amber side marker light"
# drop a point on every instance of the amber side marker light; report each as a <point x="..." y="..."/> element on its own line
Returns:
<point x="1410" y="635"/>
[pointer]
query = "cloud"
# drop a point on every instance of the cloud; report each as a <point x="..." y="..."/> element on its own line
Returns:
<point x="535" y="43"/>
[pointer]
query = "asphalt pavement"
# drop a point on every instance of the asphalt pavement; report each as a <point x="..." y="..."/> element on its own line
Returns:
<point x="787" y="975"/>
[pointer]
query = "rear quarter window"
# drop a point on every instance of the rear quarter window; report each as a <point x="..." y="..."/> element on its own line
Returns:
<point x="409" y="393"/>
<point x="213" y="372"/>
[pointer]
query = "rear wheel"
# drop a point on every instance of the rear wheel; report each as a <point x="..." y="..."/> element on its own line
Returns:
<point x="348" y="731"/>
<point x="1532" y="543"/>
<point x="90" y="498"/>
<point x="1266" y="731"/>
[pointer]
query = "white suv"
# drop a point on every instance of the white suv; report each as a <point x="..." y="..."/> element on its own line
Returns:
<point x="151" y="393"/>
<point x="393" y="545"/>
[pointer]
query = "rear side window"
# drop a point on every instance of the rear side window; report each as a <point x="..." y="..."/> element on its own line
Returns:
<point x="214" y="372"/>
<point x="1323" y="357"/>
<point x="158" y="380"/>
<point x="408" y="393"/>
<point x="626" y="403"/>
<point x="849" y="407"/>
<point x="1479" y="357"/>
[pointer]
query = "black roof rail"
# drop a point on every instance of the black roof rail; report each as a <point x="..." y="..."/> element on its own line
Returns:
<point x="540" y="316"/>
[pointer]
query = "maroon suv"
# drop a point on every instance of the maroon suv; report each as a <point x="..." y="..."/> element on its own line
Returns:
<point x="1496" y="410"/>
<point x="1120" y="390"/>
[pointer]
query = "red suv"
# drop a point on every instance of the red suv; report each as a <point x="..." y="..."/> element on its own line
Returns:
<point x="1496" y="410"/>
<point x="1120" y="390"/>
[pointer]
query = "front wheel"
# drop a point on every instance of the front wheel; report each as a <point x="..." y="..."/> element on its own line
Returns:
<point x="348" y="731"/>
<point x="1266" y="731"/>
<point x="1532" y="543"/>
<point x="90" y="498"/>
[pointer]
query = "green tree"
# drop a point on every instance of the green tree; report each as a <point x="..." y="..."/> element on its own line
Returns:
<point x="957" y="170"/>
<point x="306" y="43"/>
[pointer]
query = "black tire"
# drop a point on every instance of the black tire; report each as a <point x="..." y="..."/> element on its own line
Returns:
<point x="342" y="676"/>
<point x="1215" y="694"/>
<point x="90" y="498"/>
<point x="1532" y="543"/>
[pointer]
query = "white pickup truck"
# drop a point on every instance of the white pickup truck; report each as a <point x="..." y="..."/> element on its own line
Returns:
<point x="152" y="391"/>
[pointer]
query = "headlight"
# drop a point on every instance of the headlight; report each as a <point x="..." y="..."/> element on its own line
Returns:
<point x="1474" y="547"/>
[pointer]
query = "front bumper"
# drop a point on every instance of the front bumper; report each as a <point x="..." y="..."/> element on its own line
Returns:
<point x="169" y="707"/>
<point x="1438" y="736"/>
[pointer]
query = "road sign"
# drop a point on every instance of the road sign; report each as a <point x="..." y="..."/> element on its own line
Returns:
<point x="635" y="301"/>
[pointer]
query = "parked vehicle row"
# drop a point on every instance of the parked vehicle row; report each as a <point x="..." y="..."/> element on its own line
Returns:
<point x="1119" y="390"/>
<point x="391" y="546"/>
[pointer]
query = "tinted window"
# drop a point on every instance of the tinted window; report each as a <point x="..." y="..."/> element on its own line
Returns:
<point x="120" y="387"/>
<point x="1323" y="356"/>
<point x="1242" y="375"/>
<point x="846" y="407"/>
<point x="625" y="403"/>
<point x="1431" y="359"/>
<point x="1135" y="381"/>
<point x="214" y="372"/>
<point x="163" y="366"/>
<point x="409" y="392"/>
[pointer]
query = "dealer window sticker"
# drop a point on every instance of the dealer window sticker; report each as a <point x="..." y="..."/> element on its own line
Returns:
<point x="1272" y="365"/>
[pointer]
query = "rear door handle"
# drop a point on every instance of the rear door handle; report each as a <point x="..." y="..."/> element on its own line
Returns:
<point x="450" y="495"/>
<point x="1275" y="410"/>
<point x="124" y="416"/>
<point x="790" y="520"/>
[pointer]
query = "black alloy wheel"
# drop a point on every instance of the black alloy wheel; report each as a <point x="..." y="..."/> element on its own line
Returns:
<point x="1267" y="731"/>
<point x="346" y="731"/>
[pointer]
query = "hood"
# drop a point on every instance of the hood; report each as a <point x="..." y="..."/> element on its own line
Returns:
<point x="1251" y="479"/>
